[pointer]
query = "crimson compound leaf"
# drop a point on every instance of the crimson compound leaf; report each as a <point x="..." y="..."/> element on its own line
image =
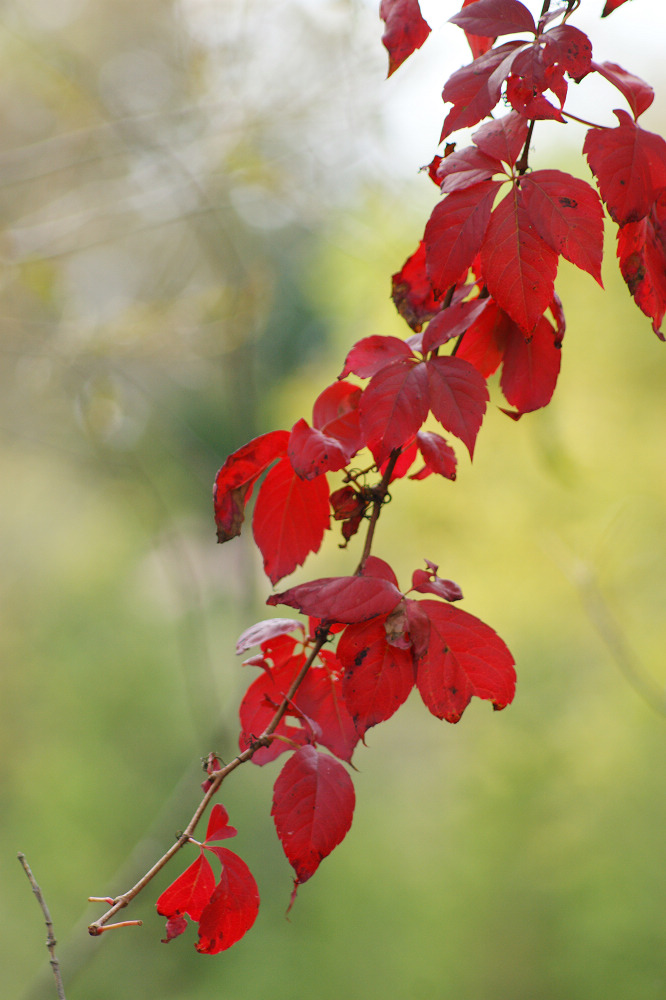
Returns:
<point x="458" y="395"/>
<point x="234" y="480"/>
<point x="290" y="517"/>
<point x="405" y="31"/>
<point x="232" y="908"/>
<point x="190" y="892"/>
<point x="458" y="657"/>
<point x="313" y="807"/>
<point x="342" y="598"/>
<point x="378" y="676"/>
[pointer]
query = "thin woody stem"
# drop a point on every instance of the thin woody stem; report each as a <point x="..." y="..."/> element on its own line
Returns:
<point x="50" y="936"/>
<point x="377" y="504"/>
<point x="102" y="924"/>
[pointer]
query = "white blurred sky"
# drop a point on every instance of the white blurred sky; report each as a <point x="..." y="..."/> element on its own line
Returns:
<point x="633" y="36"/>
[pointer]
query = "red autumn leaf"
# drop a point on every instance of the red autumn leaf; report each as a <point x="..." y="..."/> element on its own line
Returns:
<point x="477" y="43"/>
<point x="629" y="165"/>
<point x="638" y="93"/>
<point x="465" y="168"/>
<point x="567" y="214"/>
<point x="259" y="704"/>
<point x="451" y="322"/>
<point x="320" y="697"/>
<point x="218" y="824"/>
<point x="342" y="598"/>
<point x="518" y="265"/>
<point x="502" y="138"/>
<point x="190" y="892"/>
<point x="393" y="406"/>
<point x="523" y="100"/>
<point x="174" y="927"/>
<point x="475" y="89"/>
<point x="531" y="366"/>
<point x="412" y="293"/>
<point x="641" y="248"/>
<point x="458" y="657"/>
<point x="405" y="31"/>
<point x="233" y="906"/>
<point x="290" y="517"/>
<point x="571" y="48"/>
<point x="335" y="413"/>
<point x="495" y="17"/>
<point x="458" y="395"/>
<point x="427" y="582"/>
<point x="610" y="6"/>
<point x="267" y="629"/>
<point x="380" y="570"/>
<point x="378" y="676"/>
<point x="372" y="354"/>
<point x="438" y="455"/>
<point x="313" y="807"/>
<point x="484" y="342"/>
<point x="311" y="452"/>
<point x="235" y="479"/>
<point x="455" y="231"/>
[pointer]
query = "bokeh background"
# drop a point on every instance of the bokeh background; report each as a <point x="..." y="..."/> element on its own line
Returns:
<point x="202" y="204"/>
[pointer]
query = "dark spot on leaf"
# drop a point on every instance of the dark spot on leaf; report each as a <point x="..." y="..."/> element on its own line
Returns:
<point x="568" y="202"/>
<point x="359" y="658"/>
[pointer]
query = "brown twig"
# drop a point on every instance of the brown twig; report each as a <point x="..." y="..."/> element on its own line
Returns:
<point x="50" y="936"/>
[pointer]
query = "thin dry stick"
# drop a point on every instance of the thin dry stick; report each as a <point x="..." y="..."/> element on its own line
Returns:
<point x="50" y="936"/>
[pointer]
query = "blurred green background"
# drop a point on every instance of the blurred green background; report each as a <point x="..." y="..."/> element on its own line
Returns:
<point x="202" y="204"/>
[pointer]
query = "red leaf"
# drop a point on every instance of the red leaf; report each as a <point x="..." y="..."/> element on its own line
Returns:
<point x="405" y="30"/>
<point x="567" y="214"/>
<point x="571" y="48"/>
<point x="320" y="698"/>
<point x="412" y="292"/>
<point x="518" y="266"/>
<point x="393" y="406"/>
<point x="233" y="907"/>
<point x="311" y="452"/>
<point x="342" y="598"/>
<point x="475" y="89"/>
<point x="268" y="629"/>
<point x="630" y="166"/>
<point x="372" y="354"/>
<point x="458" y="397"/>
<point x="484" y="342"/>
<point x="610" y="6"/>
<point x="477" y="43"/>
<point x="218" y="824"/>
<point x="495" y="17"/>
<point x="464" y="169"/>
<point x="335" y="413"/>
<point x="438" y="456"/>
<point x="638" y="93"/>
<point x="451" y="322"/>
<point x="427" y="582"/>
<point x="259" y="705"/>
<point x="379" y="569"/>
<point x="458" y="657"/>
<point x="378" y="676"/>
<point x="531" y="366"/>
<point x="454" y="233"/>
<point x="313" y="807"/>
<point x="641" y="248"/>
<point x="234" y="479"/>
<point x="190" y="892"/>
<point x="290" y="517"/>
<point x="174" y="927"/>
<point x="502" y="138"/>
